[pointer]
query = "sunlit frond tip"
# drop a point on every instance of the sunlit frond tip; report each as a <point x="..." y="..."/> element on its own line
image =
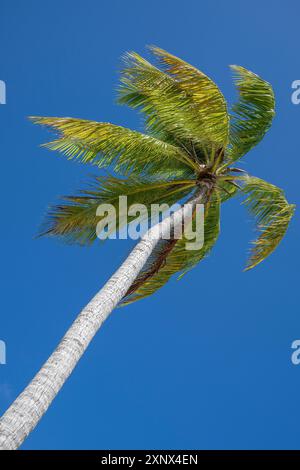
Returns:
<point x="273" y="214"/>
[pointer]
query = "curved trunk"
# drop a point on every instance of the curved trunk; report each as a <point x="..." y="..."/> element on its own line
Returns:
<point x="26" y="411"/>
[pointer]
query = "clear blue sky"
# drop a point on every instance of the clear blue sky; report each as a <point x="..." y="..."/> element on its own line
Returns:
<point x="205" y="363"/>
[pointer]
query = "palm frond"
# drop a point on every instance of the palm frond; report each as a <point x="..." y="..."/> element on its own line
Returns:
<point x="252" y="114"/>
<point x="108" y="145"/>
<point x="206" y="97"/>
<point x="273" y="214"/>
<point x="226" y="190"/>
<point x="75" y="219"/>
<point x="174" y="111"/>
<point x="171" y="257"/>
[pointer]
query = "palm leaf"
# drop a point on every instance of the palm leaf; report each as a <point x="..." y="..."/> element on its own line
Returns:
<point x="206" y="97"/>
<point x="174" y="110"/>
<point x="226" y="190"/>
<point x="252" y="115"/>
<point x="75" y="219"/>
<point x="171" y="257"/>
<point x="272" y="212"/>
<point x="105" y="144"/>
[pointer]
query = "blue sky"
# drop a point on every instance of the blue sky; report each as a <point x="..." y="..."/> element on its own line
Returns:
<point x="205" y="363"/>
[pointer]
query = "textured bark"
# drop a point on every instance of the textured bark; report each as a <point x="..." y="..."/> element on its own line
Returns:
<point x="26" y="411"/>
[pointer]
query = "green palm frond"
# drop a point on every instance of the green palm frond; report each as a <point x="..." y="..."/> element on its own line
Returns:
<point x="169" y="110"/>
<point x="75" y="219"/>
<point x="226" y="190"/>
<point x="252" y="114"/>
<point x="195" y="117"/>
<point x="272" y="212"/>
<point x="171" y="257"/>
<point x="108" y="145"/>
<point x="205" y="95"/>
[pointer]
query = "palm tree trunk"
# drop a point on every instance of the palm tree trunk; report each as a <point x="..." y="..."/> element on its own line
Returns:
<point x="26" y="411"/>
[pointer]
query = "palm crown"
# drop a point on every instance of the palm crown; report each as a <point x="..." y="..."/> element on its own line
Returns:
<point x="191" y="138"/>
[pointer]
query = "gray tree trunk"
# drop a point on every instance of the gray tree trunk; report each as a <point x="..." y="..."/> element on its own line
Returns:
<point x="26" y="411"/>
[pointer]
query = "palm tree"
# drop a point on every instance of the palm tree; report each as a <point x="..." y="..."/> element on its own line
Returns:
<point x="188" y="154"/>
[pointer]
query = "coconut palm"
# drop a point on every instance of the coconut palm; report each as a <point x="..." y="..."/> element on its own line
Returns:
<point x="188" y="154"/>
